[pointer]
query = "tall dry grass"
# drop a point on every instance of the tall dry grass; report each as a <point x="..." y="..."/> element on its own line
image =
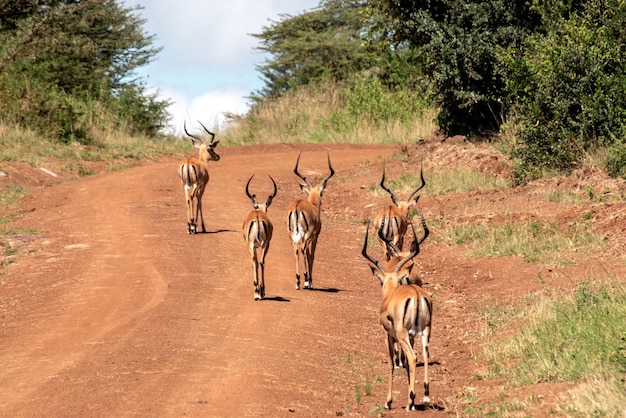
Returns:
<point x="316" y="114"/>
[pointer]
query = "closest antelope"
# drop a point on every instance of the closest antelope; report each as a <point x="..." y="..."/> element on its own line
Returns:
<point x="304" y="224"/>
<point x="405" y="313"/>
<point x="194" y="173"/>
<point x="257" y="231"/>
<point x="392" y="220"/>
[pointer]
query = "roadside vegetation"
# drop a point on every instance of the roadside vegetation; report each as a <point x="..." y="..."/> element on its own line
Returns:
<point x="544" y="83"/>
<point x="576" y="337"/>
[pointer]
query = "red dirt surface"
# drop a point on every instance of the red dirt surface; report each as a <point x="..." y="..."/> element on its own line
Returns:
<point x="112" y="309"/>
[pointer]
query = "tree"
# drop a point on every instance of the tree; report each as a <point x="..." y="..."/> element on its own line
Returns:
<point x="327" y="43"/>
<point x="568" y="82"/>
<point x="458" y="42"/>
<point x="76" y="50"/>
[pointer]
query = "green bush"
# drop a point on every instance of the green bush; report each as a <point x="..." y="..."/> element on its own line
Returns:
<point x="457" y="42"/>
<point x="366" y="98"/>
<point x="569" y="86"/>
<point x="616" y="161"/>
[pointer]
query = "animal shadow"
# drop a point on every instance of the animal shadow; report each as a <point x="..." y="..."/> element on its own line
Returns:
<point x="277" y="299"/>
<point x="429" y="407"/>
<point x="217" y="231"/>
<point x="325" y="289"/>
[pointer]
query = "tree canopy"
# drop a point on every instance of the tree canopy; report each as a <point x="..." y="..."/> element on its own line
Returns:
<point x="60" y="57"/>
<point x="327" y="43"/>
<point x="554" y="68"/>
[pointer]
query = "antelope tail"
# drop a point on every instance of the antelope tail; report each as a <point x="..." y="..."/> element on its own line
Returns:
<point x="298" y="225"/>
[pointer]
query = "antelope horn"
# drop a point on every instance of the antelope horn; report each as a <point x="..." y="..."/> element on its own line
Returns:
<point x="415" y="249"/>
<point x="295" y="170"/>
<point x="207" y="131"/>
<point x="332" y="172"/>
<point x="391" y="247"/>
<point x="424" y="226"/>
<point x="420" y="187"/>
<point x="268" y="202"/>
<point x="364" y="251"/>
<point x="192" y="136"/>
<point x="252" y="197"/>
<point x="394" y="198"/>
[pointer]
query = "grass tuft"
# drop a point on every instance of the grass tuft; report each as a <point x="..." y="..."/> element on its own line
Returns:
<point x="532" y="240"/>
<point x="580" y="338"/>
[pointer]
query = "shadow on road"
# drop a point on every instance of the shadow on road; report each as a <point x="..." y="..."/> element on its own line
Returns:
<point x="325" y="290"/>
<point x="218" y="231"/>
<point x="277" y="299"/>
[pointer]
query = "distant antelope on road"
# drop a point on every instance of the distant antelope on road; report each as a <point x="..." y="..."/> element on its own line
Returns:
<point x="257" y="232"/>
<point x="194" y="174"/>
<point x="392" y="220"/>
<point x="304" y="224"/>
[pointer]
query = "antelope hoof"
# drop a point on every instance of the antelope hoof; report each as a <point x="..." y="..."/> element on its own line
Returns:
<point x="426" y="400"/>
<point x="308" y="284"/>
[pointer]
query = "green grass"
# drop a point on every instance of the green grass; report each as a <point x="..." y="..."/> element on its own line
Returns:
<point x="560" y="196"/>
<point x="579" y="338"/>
<point x="10" y="195"/>
<point x="439" y="182"/>
<point x="26" y="146"/>
<point x="532" y="240"/>
<point x="6" y="229"/>
<point x="356" y="372"/>
<point x="321" y="113"/>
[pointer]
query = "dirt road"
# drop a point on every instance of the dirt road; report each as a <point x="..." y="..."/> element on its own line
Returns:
<point x="114" y="310"/>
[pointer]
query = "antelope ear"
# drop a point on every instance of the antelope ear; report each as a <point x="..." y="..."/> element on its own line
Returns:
<point x="214" y="143"/>
<point x="304" y="188"/>
<point x="377" y="274"/>
<point x="404" y="278"/>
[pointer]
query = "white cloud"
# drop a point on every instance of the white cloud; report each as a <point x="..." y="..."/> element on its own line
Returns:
<point x="208" y="108"/>
<point x="207" y="65"/>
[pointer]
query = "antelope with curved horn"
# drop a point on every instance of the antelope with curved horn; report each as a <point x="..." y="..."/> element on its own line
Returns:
<point x="405" y="312"/>
<point x="194" y="174"/>
<point x="396" y="254"/>
<point x="257" y="231"/>
<point x="392" y="220"/>
<point x="304" y="224"/>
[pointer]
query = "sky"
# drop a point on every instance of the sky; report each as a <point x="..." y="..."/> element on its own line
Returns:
<point x="208" y="62"/>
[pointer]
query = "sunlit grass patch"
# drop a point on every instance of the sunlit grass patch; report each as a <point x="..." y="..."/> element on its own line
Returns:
<point x="577" y="338"/>
<point x="357" y="372"/>
<point x="10" y="195"/>
<point x="27" y="146"/>
<point x="6" y="227"/>
<point x="532" y="240"/>
<point x="557" y="195"/>
<point x="439" y="182"/>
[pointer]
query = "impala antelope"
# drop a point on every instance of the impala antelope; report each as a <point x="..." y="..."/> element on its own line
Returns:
<point x="304" y="224"/>
<point x="257" y="232"/>
<point x="194" y="174"/>
<point x="405" y="313"/>
<point x="392" y="220"/>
